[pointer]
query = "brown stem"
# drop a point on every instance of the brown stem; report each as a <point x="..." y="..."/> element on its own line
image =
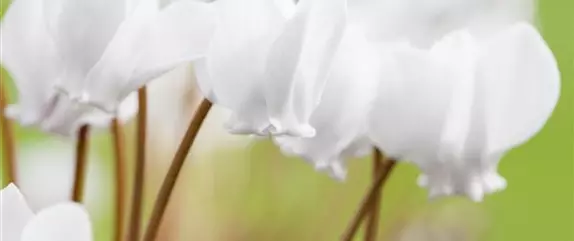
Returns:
<point x="367" y="200"/>
<point x="118" y="138"/>
<point x="82" y="145"/>
<point x="373" y="225"/>
<point x="173" y="172"/>
<point x="138" y="184"/>
<point x="8" y="140"/>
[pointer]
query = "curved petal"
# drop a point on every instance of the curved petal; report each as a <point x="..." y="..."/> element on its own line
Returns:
<point x="63" y="222"/>
<point x="236" y="60"/>
<point x="523" y="86"/>
<point x="29" y="55"/>
<point x="340" y="117"/>
<point x="424" y="116"/>
<point x="14" y="213"/>
<point x="299" y="62"/>
<point x="82" y="32"/>
<point x="145" y="50"/>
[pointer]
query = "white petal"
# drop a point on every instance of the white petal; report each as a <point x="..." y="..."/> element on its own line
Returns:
<point x="523" y="86"/>
<point x="14" y="213"/>
<point x="299" y="62"/>
<point x="82" y="33"/>
<point x="63" y="222"/>
<point x="29" y="55"/>
<point x="146" y="49"/>
<point x="236" y="60"/>
<point x="340" y="117"/>
<point x="237" y="54"/>
<point x="118" y="62"/>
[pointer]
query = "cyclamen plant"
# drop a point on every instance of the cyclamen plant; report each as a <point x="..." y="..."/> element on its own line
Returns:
<point x="319" y="77"/>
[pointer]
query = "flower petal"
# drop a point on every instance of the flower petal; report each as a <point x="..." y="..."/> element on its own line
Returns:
<point x="299" y="62"/>
<point x="14" y="213"/>
<point x="29" y="55"/>
<point x="63" y="222"/>
<point x="148" y="48"/>
<point x="236" y="60"/>
<point x="523" y="86"/>
<point x="340" y="118"/>
<point x="82" y="33"/>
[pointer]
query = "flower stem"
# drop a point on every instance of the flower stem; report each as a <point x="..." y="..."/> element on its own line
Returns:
<point x="368" y="199"/>
<point x="373" y="224"/>
<point x="117" y="136"/>
<point x="138" y="184"/>
<point x="174" y="170"/>
<point x="8" y="141"/>
<point x="82" y="145"/>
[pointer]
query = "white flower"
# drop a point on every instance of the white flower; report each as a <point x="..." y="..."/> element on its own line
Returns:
<point x="453" y="109"/>
<point x="30" y="54"/>
<point x="62" y="222"/>
<point x="269" y="60"/>
<point x="458" y="107"/>
<point x="130" y="43"/>
<point x="340" y="118"/>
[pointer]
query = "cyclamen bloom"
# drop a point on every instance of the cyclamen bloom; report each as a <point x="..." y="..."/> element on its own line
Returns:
<point x="453" y="110"/>
<point x="62" y="222"/>
<point x="130" y="43"/>
<point x="30" y="55"/>
<point x="469" y="101"/>
<point x="268" y="62"/>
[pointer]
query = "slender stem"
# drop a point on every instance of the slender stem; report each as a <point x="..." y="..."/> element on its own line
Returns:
<point x="373" y="225"/>
<point x="118" y="138"/>
<point x="370" y="196"/>
<point x="171" y="177"/>
<point x="82" y="144"/>
<point x="138" y="184"/>
<point x="8" y="140"/>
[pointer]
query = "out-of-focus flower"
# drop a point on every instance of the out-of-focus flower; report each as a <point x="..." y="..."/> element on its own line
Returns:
<point x="340" y="118"/>
<point x="455" y="109"/>
<point x="30" y="54"/>
<point x="62" y="222"/>
<point x="132" y="43"/>
<point x="269" y="60"/>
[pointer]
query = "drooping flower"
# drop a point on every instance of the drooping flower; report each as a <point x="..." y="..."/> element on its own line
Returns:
<point x="340" y="118"/>
<point x="460" y="106"/>
<point x="30" y="55"/>
<point x="62" y="222"/>
<point x="134" y="43"/>
<point x="268" y="62"/>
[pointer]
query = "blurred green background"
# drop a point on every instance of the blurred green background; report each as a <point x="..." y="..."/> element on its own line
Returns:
<point x="257" y="194"/>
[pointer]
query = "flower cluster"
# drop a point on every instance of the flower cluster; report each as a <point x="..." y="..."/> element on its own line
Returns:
<point x="449" y="86"/>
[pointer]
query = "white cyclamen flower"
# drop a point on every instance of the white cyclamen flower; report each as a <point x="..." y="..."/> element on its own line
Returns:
<point x="30" y="54"/>
<point x="129" y="43"/>
<point x="340" y="117"/>
<point x="453" y="110"/>
<point x="62" y="222"/>
<point x="456" y="109"/>
<point x="269" y="60"/>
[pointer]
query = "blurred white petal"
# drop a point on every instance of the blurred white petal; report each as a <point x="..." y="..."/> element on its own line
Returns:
<point x="236" y="60"/>
<point x="82" y="33"/>
<point x="340" y="118"/>
<point x="298" y="64"/>
<point x="522" y="84"/>
<point x="147" y="47"/>
<point x="63" y="222"/>
<point x="30" y="56"/>
<point x="14" y="213"/>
